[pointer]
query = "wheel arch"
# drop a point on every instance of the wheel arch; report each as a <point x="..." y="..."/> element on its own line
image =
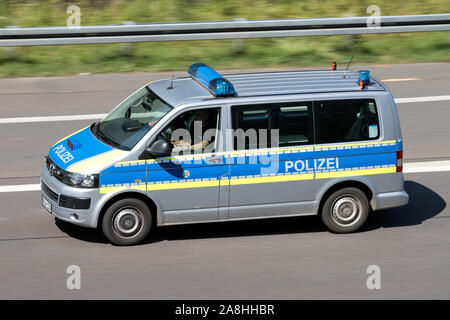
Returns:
<point x="154" y="209"/>
<point x="331" y="187"/>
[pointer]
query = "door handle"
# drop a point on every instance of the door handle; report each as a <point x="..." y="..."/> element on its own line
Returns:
<point x="215" y="159"/>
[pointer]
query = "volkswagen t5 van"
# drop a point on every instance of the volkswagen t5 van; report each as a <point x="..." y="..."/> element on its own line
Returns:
<point x="209" y="148"/>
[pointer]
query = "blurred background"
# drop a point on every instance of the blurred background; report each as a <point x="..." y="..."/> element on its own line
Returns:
<point x="223" y="54"/>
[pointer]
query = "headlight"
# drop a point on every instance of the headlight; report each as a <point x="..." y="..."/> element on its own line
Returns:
<point x="72" y="179"/>
<point x="81" y="180"/>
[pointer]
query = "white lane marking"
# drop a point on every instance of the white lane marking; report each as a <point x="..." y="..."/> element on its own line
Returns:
<point x="411" y="167"/>
<point x="21" y="187"/>
<point x="400" y="79"/>
<point x="54" y="118"/>
<point x="422" y="99"/>
<point x="431" y="166"/>
<point x="102" y="115"/>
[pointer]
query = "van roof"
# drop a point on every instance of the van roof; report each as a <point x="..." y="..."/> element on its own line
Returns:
<point x="189" y="90"/>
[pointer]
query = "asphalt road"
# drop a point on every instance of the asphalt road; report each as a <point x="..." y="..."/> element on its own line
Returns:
<point x="291" y="258"/>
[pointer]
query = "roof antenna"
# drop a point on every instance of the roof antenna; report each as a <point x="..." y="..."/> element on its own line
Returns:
<point x="354" y="52"/>
<point x="171" y="83"/>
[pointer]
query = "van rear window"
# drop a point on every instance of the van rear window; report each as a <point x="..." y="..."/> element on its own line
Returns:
<point x="346" y="120"/>
<point x="334" y="121"/>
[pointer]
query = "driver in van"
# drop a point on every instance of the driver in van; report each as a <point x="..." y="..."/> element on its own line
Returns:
<point x="198" y="137"/>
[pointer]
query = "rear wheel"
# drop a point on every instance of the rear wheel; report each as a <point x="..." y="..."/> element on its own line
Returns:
<point x="345" y="210"/>
<point x="127" y="222"/>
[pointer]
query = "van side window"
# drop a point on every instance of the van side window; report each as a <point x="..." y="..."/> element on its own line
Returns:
<point x="294" y="124"/>
<point x="194" y="131"/>
<point x="251" y="127"/>
<point x="346" y="120"/>
<point x="272" y="125"/>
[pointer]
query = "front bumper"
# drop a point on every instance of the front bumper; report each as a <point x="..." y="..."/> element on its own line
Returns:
<point x="82" y="217"/>
<point x="389" y="200"/>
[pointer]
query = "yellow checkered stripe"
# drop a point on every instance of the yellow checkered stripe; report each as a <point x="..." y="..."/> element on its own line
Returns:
<point x="181" y="184"/>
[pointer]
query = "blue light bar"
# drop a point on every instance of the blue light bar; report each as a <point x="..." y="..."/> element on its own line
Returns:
<point x="364" y="76"/>
<point x="212" y="80"/>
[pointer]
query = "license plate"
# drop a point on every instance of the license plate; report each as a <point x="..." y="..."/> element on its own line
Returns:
<point x="47" y="205"/>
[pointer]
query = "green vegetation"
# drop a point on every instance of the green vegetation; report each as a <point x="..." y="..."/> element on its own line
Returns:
<point x="164" y="56"/>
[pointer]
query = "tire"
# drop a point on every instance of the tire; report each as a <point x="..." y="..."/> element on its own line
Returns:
<point x="345" y="211"/>
<point x="127" y="222"/>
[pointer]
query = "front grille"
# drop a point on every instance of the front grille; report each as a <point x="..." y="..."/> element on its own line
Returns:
<point x="54" y="170"/>
<point x="74" y="203"/>
<point x="51" y="194"/>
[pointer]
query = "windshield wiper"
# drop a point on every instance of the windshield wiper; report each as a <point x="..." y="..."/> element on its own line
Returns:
<point x="108" y="140"/>
<point x="104" y="138"/>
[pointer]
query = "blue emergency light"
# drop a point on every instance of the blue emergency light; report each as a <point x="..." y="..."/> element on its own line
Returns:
<point x="212" y="80"/>
<point x="364" y="76"/>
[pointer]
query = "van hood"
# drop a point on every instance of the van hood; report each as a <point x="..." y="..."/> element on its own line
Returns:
<point x="82" y="152"/>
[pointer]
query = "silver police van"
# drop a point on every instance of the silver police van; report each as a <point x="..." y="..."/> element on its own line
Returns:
<point x="208" y="148"/>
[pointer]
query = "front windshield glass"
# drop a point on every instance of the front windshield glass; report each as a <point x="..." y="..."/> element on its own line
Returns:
<point x="132" y="119"/>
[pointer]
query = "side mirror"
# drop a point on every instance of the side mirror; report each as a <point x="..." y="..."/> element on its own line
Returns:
<point x="159" y="148"/>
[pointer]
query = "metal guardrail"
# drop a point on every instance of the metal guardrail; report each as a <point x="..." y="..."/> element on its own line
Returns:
<point x="216" y="30"/>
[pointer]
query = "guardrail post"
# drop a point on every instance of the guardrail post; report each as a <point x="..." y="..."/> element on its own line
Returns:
<point x="10" y="52"/>
<point x="126" y="49"/>
<point x="238" y="44"/>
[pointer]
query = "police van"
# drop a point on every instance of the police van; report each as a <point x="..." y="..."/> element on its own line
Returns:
<point x="209" y="148"/>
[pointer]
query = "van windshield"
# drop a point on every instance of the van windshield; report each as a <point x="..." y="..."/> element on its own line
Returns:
<point x="131" y="120"/>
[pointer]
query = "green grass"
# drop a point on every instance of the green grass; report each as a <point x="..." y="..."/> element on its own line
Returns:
<point x="168" y="56"/>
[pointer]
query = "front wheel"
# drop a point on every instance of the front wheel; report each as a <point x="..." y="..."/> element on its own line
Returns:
<point x="345" y="210"/>
<point x="127" y="222"/>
